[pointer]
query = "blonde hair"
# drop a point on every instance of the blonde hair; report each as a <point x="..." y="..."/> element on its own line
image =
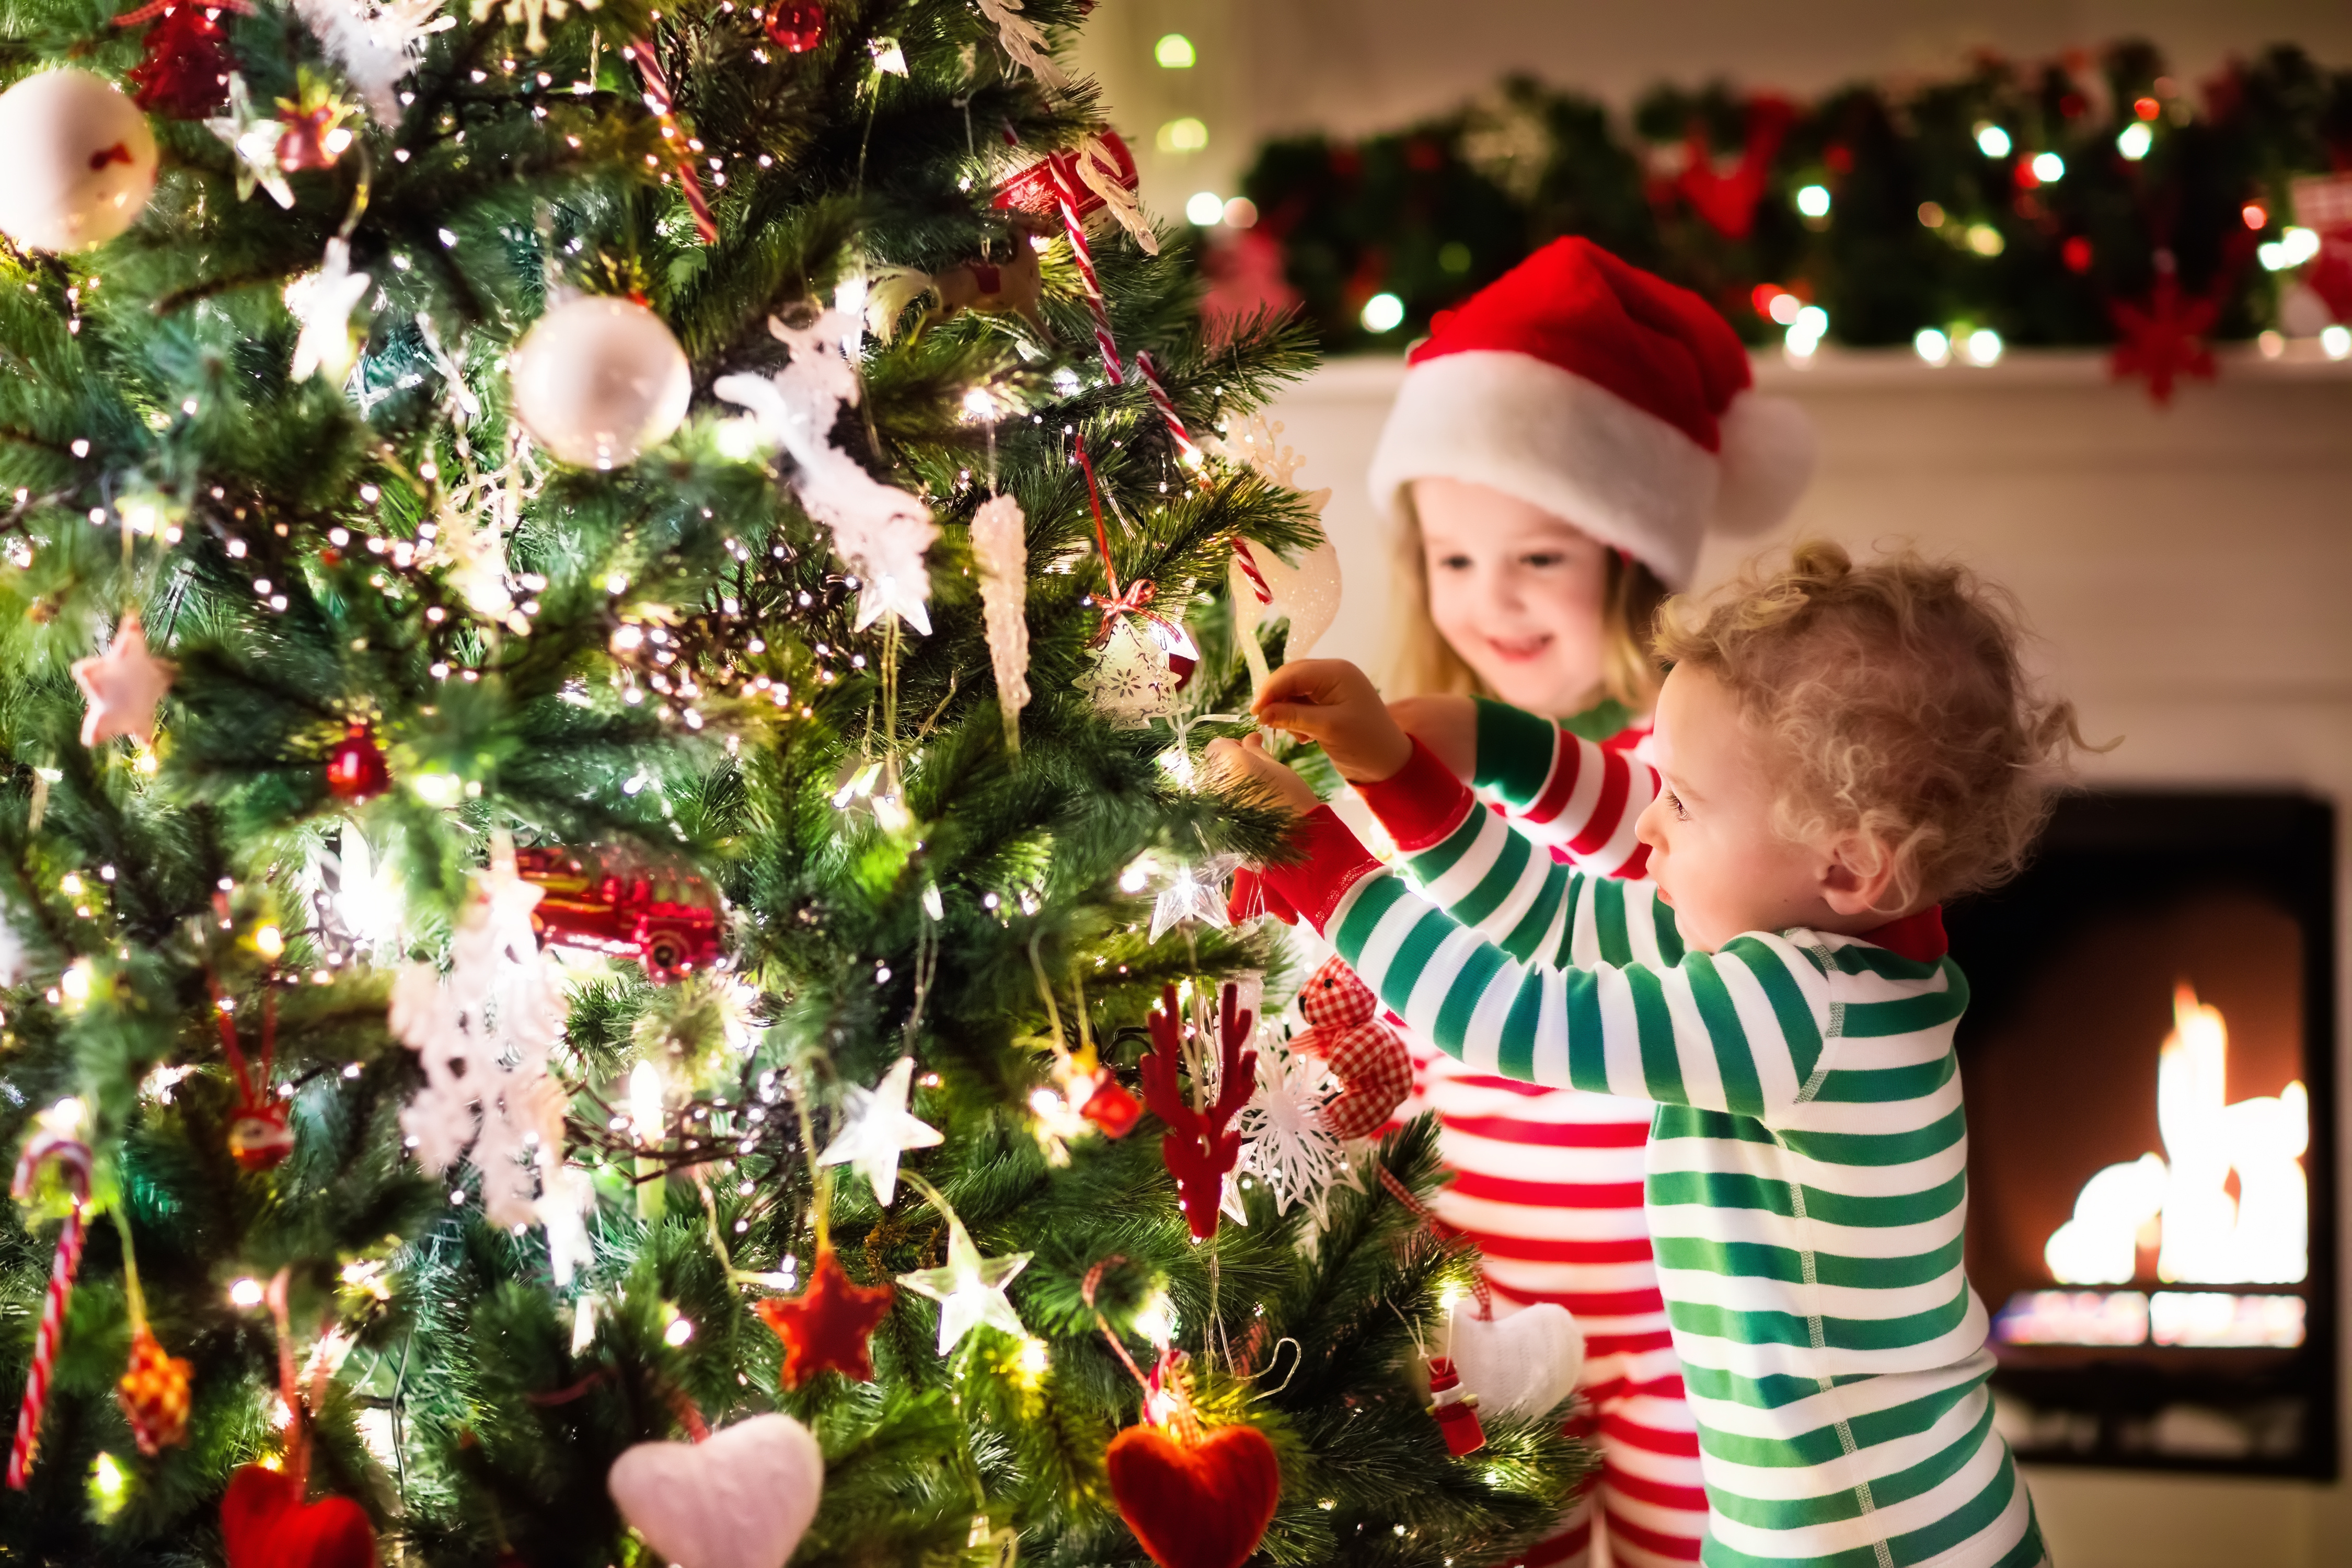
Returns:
<point x="1896" y="695"/>
<point x="1425" y="665"/>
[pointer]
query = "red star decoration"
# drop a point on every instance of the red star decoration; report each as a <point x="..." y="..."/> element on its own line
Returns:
<point x="2165" y="338"/>
<point x="826" y="1325"/>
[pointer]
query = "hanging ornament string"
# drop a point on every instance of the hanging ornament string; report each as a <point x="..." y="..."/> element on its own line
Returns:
<point x="1136" y="598"/>
<point x="73" y="1159"/>
<point x="659" y="99"/>
<point x="1437" y="1229"/>
<point x="1087" y="1293"/>
<point x="249" y="1087"/>
<point x="1187" y="451"/>
<point x="1074" y="227"/>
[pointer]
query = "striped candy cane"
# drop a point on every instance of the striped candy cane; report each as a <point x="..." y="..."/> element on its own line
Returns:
<point x="1075" y="227"/>
<point x="1250" y="568"/>
<point x="1187" y="451"/>
<point x="73" y="1162"/>
<point x="658" y="100"/>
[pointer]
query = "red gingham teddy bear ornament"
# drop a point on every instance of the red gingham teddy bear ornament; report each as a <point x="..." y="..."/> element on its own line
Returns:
<point x="1368" y="1058"/>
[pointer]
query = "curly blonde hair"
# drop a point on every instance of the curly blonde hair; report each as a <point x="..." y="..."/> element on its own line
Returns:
<point x="1895" y="693"/>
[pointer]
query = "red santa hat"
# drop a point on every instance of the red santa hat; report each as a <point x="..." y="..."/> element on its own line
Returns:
<point x="1607" y="396"/>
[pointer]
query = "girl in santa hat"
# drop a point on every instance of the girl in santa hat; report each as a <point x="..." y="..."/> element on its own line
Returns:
<point x="1561" y="445"/>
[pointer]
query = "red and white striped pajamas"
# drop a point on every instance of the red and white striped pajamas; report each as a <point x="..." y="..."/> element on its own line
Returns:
<point x="1547" y="1182"/>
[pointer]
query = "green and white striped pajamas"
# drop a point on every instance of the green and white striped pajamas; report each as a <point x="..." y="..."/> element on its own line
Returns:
<point x="1806" y="1186"/>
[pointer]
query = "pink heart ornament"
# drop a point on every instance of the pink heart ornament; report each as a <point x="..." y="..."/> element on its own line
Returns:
<point x="1522" y="1365"/>
<point x="743" y="1499"/>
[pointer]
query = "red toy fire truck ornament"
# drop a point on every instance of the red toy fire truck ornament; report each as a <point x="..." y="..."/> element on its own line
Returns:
<point x="665" y="922"/>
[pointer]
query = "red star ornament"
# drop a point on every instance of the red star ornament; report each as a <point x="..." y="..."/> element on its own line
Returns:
<point x="124" y="685"/>
<point x="2165" y="339"/>
<point x="825" y="1327"/>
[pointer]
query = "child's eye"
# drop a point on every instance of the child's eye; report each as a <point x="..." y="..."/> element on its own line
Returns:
<point x="1675" y="804"/>
<point x="1543" y="560"/>
<point x="1455" y="562"/>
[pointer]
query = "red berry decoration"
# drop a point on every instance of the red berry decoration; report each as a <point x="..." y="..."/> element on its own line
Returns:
<point x="796" y="26"/>
<point x="356" y="769"/>
<point x="186" y="73"/>
<point x="825" y="1327"/>
<point x="155" y="1394"/>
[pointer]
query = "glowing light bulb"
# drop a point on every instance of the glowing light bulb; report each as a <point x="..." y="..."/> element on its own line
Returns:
<point x="1174" y="52"/>
<point x="1205" y="208"/>
<point x="1384" y="313"/>
<point x="1991" y="140"/>
<point x="2049" y="168"/>
<point x="646" y="1102"/>
<point x="246" y="1293"/>
<point x="1185" y="135"/>
<point x="1814" y="200"/>
<point x="1984" y="346"/>
<point x="2134" y="141"/>
<point x="1933" y="346"/>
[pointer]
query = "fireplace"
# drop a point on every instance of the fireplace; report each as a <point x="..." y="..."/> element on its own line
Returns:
<point x="2148" y="1061"/>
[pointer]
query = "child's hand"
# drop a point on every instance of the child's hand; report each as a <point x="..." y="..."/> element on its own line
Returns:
<point x="1447" y="725"/>
<point x="1246" y="761"/>
<point x="1331" y="702"/>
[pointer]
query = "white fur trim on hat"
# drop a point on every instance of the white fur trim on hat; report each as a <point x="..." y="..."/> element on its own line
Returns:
<point x="1568" y="445"/>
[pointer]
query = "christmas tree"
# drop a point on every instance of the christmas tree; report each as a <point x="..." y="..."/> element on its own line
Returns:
<point x="614" y="951"/>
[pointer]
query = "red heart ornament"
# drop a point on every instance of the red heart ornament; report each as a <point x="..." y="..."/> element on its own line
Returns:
<point x="1195" y="1505"/>
<point x="265" y="1523"/>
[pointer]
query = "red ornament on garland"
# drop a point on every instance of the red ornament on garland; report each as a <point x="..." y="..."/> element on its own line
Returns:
<point x="265" y="1523"/>
<point x="826" y="1327"/>
<point x="2165" y="338"/>
<point x="1202" y="1503"/>
<point x="1040" y="187"/>
<point x="1200" y="1149"/>
<point x="155" y="1394"/>
<point x="1455" y="1408"/>
<point x="796" y="26"/>
<point x="356" y="769"/>
<point x="186" y="71"/>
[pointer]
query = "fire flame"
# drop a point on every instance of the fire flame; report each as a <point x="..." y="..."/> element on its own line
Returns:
<point x="2182" y="1208"/>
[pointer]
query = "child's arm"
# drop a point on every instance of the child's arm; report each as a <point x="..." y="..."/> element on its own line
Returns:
<point x="1742" y="1030"/>
<point x="1562" y="790"/>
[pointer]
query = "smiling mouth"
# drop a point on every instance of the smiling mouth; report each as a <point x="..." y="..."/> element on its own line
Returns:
<point x="1519" y="650"/>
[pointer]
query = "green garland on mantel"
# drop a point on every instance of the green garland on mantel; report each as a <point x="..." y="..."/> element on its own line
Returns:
<point x="1901" y="211"/>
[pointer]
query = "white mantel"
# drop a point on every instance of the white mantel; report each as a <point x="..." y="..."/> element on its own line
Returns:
<point x="2189" y="571"/>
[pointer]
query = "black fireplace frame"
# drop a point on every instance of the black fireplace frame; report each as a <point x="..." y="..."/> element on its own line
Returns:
<point x="2283" y="845"/>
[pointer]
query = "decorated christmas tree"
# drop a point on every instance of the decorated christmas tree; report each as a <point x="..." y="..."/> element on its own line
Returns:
<point x="614" y="950"/>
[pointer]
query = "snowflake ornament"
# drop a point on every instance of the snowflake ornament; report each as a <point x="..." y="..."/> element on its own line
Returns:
<point x="881" y="531"/>
<point x="1287" y="1142"/>
<point x="482" y="1035"/>
<point x="376" y="44"/>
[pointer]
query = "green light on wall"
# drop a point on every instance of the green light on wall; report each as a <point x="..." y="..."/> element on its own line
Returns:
<point x="1174" y="52"/>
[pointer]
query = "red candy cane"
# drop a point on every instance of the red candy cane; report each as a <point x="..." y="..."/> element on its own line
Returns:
<point x="1187" y="451"/>
<point x="658" y="100"/>
<point x="73" y="1160"/>
<point x="1068" y="199"/>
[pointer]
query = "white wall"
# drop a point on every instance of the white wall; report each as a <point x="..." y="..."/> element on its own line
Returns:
<point x="2189" y="570"/>
<point x="1356" y="66"/>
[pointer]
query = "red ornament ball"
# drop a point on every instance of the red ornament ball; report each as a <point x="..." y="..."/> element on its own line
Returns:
<point x="825" y="1327"/>
<point x="356" y="769"/>
<point x="186" y="73"/>
<point x="796" y="26"/>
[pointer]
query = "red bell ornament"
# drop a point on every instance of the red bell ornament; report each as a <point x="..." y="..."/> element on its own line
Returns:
<point x="796" y="26"/>
<point x="356" y="769"/>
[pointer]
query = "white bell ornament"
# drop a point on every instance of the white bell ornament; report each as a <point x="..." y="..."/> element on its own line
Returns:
<point x="598" y="380"/>
<point x="79" y="165"/>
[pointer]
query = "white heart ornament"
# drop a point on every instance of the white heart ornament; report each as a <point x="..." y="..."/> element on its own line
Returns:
<point x="741" y="1498"/>
<point x="1519" y="1366"/>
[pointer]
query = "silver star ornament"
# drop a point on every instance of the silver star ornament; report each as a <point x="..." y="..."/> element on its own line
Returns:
<point x="323" y="302"/>
<point x="877" y="1130"/>
<point x="1194" y="893"/>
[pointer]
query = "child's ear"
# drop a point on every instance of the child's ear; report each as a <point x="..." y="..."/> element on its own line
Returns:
<point x="1858" y="877"/>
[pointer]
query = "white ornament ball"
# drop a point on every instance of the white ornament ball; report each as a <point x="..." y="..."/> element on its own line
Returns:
<point x="77" y="161"/>
<point x="598" y="380"/>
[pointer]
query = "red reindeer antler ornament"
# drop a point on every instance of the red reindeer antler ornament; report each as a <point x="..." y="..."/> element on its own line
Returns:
<point x="1199" y="1148"/>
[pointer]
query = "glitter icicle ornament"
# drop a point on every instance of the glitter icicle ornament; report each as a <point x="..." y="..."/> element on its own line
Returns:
<point x="1000" y="546"/>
